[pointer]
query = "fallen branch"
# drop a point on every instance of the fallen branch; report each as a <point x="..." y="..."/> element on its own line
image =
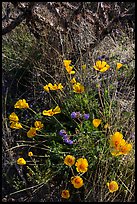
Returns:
<point x="13" y="24"/>
<point x="19" y="19"/>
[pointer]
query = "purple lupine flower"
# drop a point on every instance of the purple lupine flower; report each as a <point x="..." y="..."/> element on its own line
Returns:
<point x="62" y="133"/>
<point x="68" y="141"/>
<point x="86" y="116"/>
<point x="76" y="115"/>
<point x="65" y="137"/>
<point x="73" y="115"/>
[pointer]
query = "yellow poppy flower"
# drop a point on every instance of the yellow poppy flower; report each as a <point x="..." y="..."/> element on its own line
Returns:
<point x="77" y="181"/>
<point x="101" y="66"/>
<point x="69" y="160"/>
<point x="115" y="152"/>
<point x="106" y="126"/>
<point x="73" y="81"/>
<point x="84" y="66"/>
<point x="82" y="165"/>
<point x="65" y="194"/>
<point x="125" y="149"/>
<point x="52" y="112"/>
<point x="66" y="62"/>
<point x="46" y="88"/>
<point x="56" y="110"/>
<point x="13" y="117"/>
<point x="119" y="65"/>
<point x="54" y="87"/>
<point x="69" y="70"/>
<point x="68" y="67"/>
<point x="116" y="144"/>
<point x="78" y="88"/>
<point x="48" y="112"/>
<point x="38" y="125"/>
<point x="50" y="85"/>
<point x="30" y="154"/>
<point x="21" y="161"/>
<point x="112" y="186"/>
<point x="21" y="104"/>
<point x="16" y="125"/>
<point x="60" y="87"/>
<point x="116" y="139"/>
<point x="96" y="122"/>
<point x="32" y="132"/>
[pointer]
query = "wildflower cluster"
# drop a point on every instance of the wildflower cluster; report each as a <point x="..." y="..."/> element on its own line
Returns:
<point x="118" y="145"/>
<point x="14" y="121"/>
<point x="77" y="87"/>
<point x="81" y="167"/>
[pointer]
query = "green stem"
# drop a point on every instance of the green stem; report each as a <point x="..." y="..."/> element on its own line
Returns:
<point x="32" y="110"/>
<point x="58" y="122"/>
<point x="72" y="171"/>
<point x="53" y="99"/>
